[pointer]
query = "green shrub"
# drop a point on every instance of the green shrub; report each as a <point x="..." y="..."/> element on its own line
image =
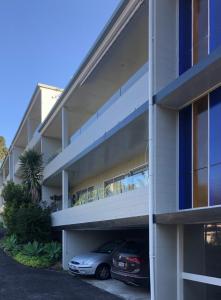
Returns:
<point x="33" y="261"/>
<point x="33" y="223"/>
<point x="33" y="249"/>
<point x="53" y="250"/>
<point x="14" y="194"/>
<point x="10" y="244"/>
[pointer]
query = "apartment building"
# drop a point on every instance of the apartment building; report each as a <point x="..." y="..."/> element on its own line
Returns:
<point x="131" y="147"/>
<point x="27" y="135"/>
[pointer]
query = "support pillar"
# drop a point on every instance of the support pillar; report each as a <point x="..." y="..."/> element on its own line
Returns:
<point x="64" y="189"/>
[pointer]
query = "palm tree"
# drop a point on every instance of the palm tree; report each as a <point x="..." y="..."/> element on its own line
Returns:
<point x="31" y="172"/>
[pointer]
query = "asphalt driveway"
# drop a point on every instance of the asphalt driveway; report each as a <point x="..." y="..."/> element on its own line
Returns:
<point x="18" y="282"/>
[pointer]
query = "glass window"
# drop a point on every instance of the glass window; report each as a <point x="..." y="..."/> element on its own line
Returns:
<point x="215" y="24"/>
<point x="200" y="133"/>
<point x="118" y="185"/>
<point x="200" y="179"/>
<point x="200" y="30"/>
<point x="82" y="197"/>
<point x="200" y="152"/>
<point x="185" y="35"/>
<point x="215" y="127"/>
<point x="201" y="291"/>
<point x="92" y="193"/>
<point x="139" y="177"/>
<point x="202" y="248"/>
<point x="109" y="187"/>
<point x="215" y="184"/>
<point x="185" y="158"/>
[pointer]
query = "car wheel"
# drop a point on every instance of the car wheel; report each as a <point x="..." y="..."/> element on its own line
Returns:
<point x="102" y="272"/>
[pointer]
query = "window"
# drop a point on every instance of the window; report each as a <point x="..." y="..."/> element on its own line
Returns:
<point x="200" y="152"/>
<point x="197" y="291"/>
<point x="135" y="179"/>
<point x="215" y="147"/>
<point x="200" y="30"/>
<point x="215" y="24"/>
<point x="185" y="157"/>
<point x="201" y="251"/>
<point x="185" y="35"/>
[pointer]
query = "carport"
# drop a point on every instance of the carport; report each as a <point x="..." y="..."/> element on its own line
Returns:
<point x="82" y="239"/>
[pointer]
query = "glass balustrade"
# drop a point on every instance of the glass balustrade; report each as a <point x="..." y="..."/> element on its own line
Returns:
<point x="130" y="181"/>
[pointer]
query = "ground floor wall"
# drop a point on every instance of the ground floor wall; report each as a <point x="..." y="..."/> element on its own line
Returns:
<point x="165" y="262"/>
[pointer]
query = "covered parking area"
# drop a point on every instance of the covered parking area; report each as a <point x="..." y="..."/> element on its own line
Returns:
<point x="79" y="239"/>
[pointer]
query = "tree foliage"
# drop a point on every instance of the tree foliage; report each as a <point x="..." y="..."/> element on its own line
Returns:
<point x="31" y="172"/>
<point x="3" y="148"/>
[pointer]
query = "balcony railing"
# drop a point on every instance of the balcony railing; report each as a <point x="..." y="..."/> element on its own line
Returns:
<point x="113" y="99"/>
<point x="134" y="78"/>
<point x="135" y="179"/>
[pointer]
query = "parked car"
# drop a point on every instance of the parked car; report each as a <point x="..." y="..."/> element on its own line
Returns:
<point x="130" y="263"/>
<point x="97" y="262"/>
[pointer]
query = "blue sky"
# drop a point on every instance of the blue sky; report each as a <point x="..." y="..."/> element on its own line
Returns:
<point x="43" y="41"/>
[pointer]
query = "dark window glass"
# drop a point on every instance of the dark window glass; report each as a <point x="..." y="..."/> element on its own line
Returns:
<point x="201" y="291"/>
<point x="185" y="35"/>
<point x="215" y="184"/>
<point x="185" y="158"/>
<point x="202" y="249"/>
<point x="200" y="152"/>
<point x="200" y="133"/>
<point x="215" y="24"/>
<point x="215" y="127"/>
<point x="200" y="30"/>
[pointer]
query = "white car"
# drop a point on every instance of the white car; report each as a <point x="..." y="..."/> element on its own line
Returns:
<point x="97" y="262"/>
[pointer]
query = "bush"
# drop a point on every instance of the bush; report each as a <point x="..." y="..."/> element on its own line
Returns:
<point x="9" y="244"/>
<point x="33" y="249"/>
<point x="14" y="194"/>
<point x="33" y="261"/>
<point x="14" y="198"/>
<point x="53" y="251"/>
<point x="33" y="223"/>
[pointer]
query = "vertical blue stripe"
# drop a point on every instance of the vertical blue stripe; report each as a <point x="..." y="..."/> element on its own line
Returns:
<point x="185" y="35"/>
<point x="185" y="158"/>
<point x="215" y="24"/>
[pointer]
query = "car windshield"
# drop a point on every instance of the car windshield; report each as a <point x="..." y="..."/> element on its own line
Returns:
<point x="108" y="247"/>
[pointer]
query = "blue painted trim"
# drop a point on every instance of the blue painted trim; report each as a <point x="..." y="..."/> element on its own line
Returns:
<point x="185" y="35"/>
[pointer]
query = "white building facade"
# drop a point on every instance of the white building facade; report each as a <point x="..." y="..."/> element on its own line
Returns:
<point x="131" y="146"/>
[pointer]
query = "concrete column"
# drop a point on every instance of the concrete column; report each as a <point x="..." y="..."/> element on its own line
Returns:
<point x="65" y="137"/>
<point x="64" y="189"/>
<point x="64" y="250"/>
<point x="166" y="262"/>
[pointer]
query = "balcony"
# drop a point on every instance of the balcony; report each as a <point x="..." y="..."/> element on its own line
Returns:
<point x="129" y="98"/>
<point x="130" y="204"/>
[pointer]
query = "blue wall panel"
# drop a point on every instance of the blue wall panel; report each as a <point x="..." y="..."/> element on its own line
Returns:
<point x="185" y="158"/>
<point x="185" y="35"/>
<point x="215" y="24"/>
